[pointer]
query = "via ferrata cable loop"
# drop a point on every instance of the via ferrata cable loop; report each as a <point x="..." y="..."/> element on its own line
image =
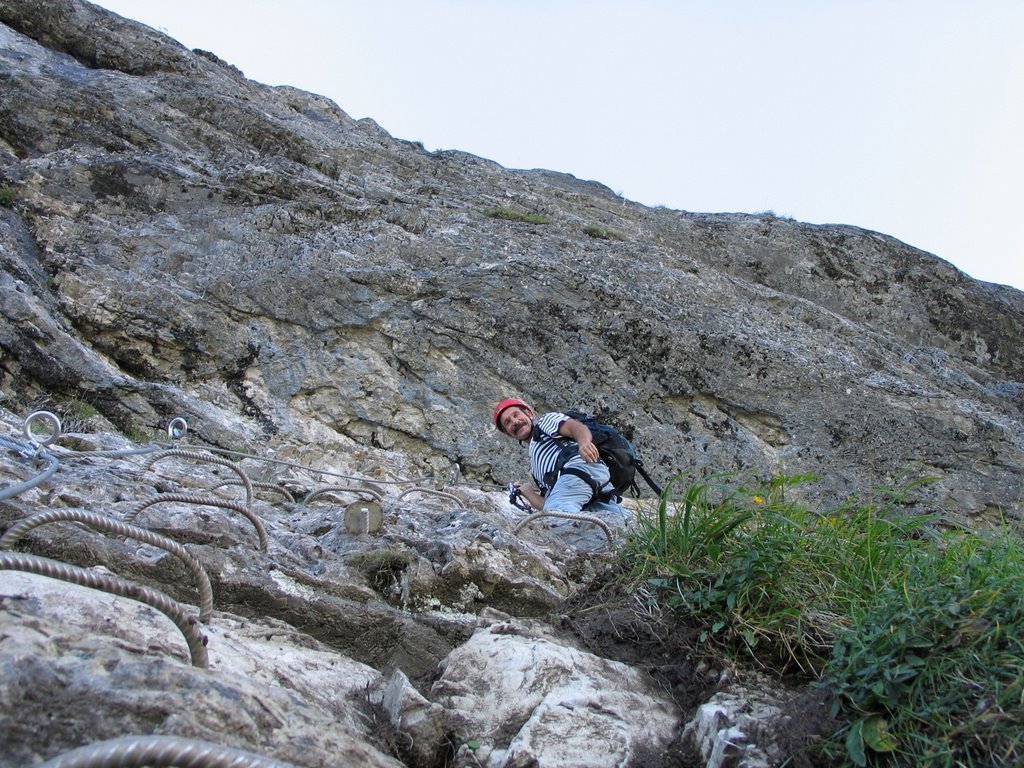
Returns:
<point x="33" y="436"/>
<point x="177" y="428"/>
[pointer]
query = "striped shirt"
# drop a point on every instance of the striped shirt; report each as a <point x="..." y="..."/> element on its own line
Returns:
<point x="544" y="452"/>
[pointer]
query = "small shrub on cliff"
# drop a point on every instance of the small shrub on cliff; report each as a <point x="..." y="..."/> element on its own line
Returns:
<point x="138" y="434"/>
<point x="603" y="233"/>
<point x="507" y="214"/>
<point x="7" y="196"/>
<point x="915" y="630"/>
<point x="932" y="671"/>
<point x="734" y="560"/>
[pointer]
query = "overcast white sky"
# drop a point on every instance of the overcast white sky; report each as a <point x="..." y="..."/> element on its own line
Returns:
<point x="901" y="116"/>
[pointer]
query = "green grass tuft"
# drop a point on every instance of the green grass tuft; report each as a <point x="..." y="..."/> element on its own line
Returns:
<point x="138" y="434"/>
<point x="603" y="233"/>
<point x="918" y="631"/>
<point x="507" y="214"/>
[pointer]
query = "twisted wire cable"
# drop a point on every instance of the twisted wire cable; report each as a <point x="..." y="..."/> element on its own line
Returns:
<point x="201" y="456"/>
<point x="70" y="453"/>
<point x="10" y="491"/>
<point x="119" y="528"/>
<point x="320" y="491"/>
<point x="311" y="470"/>
<point x="158" y="751"/>
<point x="14" y="445"/>
<point x="210" y="501"/>
<point x="262" y="486"/>
<point x="105" y="582"/>
<point x="568" y="516"/>
<point x="433" y="492"/>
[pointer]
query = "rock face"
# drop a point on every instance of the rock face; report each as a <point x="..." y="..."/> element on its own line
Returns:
<point x="179" y="241"/>
<point x="184" y="242"/>
<point x="323" y="647"/>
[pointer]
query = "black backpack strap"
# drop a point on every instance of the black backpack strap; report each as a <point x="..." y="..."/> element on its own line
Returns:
<point x="643" y="473"/>
<point x="568" y="452"/>
<point x="596" y="493"/>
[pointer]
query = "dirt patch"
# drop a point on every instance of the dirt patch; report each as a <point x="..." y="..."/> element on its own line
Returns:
<point x="615" y="624"/>
<point x="806" y="719"/>
<point x="615" y="629"/>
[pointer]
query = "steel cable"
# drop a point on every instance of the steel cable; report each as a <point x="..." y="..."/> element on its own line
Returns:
<point x="568" y="516"/>
<point x="11" y="491"/>
<point x="433" y="492"/>
<point x="105" y="582"/>
<point x="117" y="453"/>
<point x="110" y="525"/>
<point x="159" y="751"/>
<point x="313" y="494"/>
<point x="210" y="501"/>
<point x="261" y="486"/>
<point x="311" y="470"/>
<point x="14" y="445"/>
<point x="200" y="456"/>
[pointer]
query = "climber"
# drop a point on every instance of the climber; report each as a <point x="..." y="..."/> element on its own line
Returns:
<point x="567" y="471"/>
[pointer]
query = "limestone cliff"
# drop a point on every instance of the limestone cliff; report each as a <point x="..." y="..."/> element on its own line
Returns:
<point x="336" y="303"/>
<point x="180" y="241"/>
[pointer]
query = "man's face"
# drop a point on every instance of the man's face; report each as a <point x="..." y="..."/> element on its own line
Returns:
<point x="516" y="423"/>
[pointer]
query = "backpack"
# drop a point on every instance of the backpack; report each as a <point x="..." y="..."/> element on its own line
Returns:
<point x="615" y="451"/>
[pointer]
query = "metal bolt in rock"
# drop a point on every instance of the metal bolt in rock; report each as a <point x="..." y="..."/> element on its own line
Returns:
<point x="432" y="492"/>
<point x="50" y="419"/>
<point x="200" y="456"/>
<point x="342" y="488"/>
<point x="261" y="486"/>
<point x="568" y="516"/>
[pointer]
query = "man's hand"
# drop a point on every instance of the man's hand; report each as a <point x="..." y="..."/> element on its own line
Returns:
<point x="578" y="431"/>
<point x="589" y="452"/>
<point x="531" y="494"/>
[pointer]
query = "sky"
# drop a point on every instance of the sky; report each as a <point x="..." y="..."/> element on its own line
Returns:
<point x="905" y="117"/>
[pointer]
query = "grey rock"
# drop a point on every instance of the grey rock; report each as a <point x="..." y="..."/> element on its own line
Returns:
<point x="304" y="288"/>
<point x="92" y="666"/>
<point x="422" y="722"/>
<point x="186" y="242"/>
<point x="320" y="648"/>
<point x="521" y="697"/>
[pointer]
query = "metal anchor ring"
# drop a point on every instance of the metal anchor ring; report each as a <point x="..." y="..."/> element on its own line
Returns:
<point x="50" y="419"/>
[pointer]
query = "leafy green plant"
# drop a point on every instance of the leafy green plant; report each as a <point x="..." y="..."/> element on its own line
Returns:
<point x="603" y="233"/>
<point x="732" y="561"/>
<point x="7" y="196"/>
<point x="82" y="410"/>
<point x="507" y="214"/>
<point x="933" y="671"/>
<point x="918" y="632"/>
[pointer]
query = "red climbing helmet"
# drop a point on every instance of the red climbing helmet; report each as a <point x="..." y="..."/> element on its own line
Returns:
<point x="505" y="404"/>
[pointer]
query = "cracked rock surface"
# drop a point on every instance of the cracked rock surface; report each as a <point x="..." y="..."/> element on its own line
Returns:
<point x="337" y="310"/>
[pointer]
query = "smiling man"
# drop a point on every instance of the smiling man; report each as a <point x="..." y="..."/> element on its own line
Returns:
<point x="565" y="465"/>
